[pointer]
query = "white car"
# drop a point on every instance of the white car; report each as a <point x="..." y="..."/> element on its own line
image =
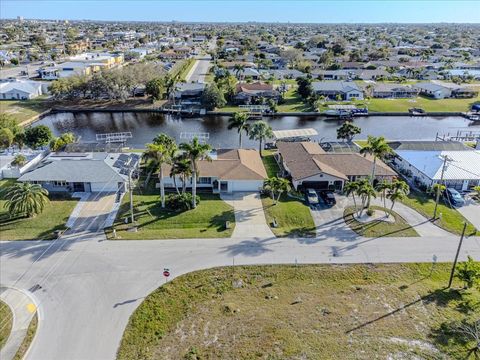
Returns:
<point x="312" y="197"/>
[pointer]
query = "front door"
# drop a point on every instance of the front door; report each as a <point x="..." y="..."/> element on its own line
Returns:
<point x="78" y="187"/>
<point x="223" y="186"/>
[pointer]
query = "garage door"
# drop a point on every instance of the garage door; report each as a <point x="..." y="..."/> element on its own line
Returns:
<point x="317" y="185"/>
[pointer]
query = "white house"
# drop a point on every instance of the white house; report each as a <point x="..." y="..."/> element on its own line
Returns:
<point x="21" y="90"/>
<point x="433" y="90"/>
<point x="347" y="90"/>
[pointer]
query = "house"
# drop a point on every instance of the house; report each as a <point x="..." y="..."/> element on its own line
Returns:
<point x="248" y="73"/>
<point x="283" y="74"/>
<point x="189" y="92"/>
<point x="311" y="167"/>
<point x="230" y="170"/>
<point x="370" y="74"/>
<point x="333" y="74"/>
<point x="21" y="90"/>
<point x="347" y="90"/>
<point x="393" y="91"/>
<point x="433" y="90"/>
<point x="423" y="162"/>
<point x="83" y="172"/>
<point x="249" y="93"/>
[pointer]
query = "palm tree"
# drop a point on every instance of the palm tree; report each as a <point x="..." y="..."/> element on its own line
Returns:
<point x="240" y="122"/>
<point x="181" y="167"/>
<point x="276" y="185"/>
<point x="259" y="131"/>
<point x="351" y="188"/>
<point x="195" y="151"/>
<point x="398" y="190"/>
<point x="25" y="198"/>
<point x="161" y="154"/>
<point x="366" y="192"/>
<point x="238" y="68"/>
<point x="382" y="187"/>
<point x="378" y="148"/>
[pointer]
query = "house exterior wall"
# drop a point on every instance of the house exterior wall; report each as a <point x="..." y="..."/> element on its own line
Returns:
<point x="319" y="177"/>
<point x="100" y="186"/>
<point x="244" y="185"/>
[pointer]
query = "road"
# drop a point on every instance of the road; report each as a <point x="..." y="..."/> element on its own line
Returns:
<point x="15" y="72"/>
<point x="200" y="69"/>
<point x="87" y="287"/>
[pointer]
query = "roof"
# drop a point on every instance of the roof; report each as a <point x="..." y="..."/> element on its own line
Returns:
<point x="232" y="164"/>
<point x="29" y="87"/>
<point x="340" y="86"/>
<point x="76" y="167"/>
<point x="307" y="159"/>
<point x="429" y="145"/>
<point x="283" y="134"/>
<point x="257" y="86"/>
<point x="430" y="86"/>
<point x="463" y="165"/>
<point x="382" y="87"/>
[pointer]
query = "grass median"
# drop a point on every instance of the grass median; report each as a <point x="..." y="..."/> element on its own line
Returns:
<point x="310" y="311"/>
<point x="6" y="317"/>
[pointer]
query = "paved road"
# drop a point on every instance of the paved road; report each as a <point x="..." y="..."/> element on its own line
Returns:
<point x="200" y="69"/>
<point x="87" y="287"/>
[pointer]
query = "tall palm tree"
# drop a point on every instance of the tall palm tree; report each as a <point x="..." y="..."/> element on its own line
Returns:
<point x="195" y="151"/>
<point x="382" y="187"/>
<point x="351" y="188"/>
<point x="181" y="167"/>
<point x="238" y="68"/>
<point x="240" y="122"/>
<point x="277" y="186"/>
<point x="398" y="190"/>
<point x="260" y="131"/>
<point x="366" y="192"/>
<point x="161" y="154"/>
<point x="378" y="148"/>
<point x="25" y="198"/>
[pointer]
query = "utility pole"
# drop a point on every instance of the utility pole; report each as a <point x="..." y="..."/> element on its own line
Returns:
<point x="456" y="256"/>
<point x="130" y="189"/>
<point x="437" y="199"/>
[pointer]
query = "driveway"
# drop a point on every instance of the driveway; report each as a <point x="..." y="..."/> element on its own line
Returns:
<point x="199" y="70"/>
<point x="471" y="211"/>
<point x="249" y="216"/>
<point x="91" y="212"/>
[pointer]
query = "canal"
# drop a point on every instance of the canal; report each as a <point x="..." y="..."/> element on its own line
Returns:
<point x="144" y="126"/>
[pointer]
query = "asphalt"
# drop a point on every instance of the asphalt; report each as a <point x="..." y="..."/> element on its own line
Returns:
<point x="200" y="69"/>
<point x="87" y="287"/>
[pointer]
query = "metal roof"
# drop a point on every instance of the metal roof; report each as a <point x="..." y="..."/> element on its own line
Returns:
<point x="284" y="134"/>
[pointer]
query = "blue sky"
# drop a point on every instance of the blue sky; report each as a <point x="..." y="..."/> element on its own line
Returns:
<point x="319" y="11"/>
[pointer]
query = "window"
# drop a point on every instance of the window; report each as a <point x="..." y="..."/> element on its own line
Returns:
<point x="204" y="180"/>
<point x="59" y="183"/>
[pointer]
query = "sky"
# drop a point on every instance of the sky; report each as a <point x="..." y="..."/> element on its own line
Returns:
<point x="294" y="11"/>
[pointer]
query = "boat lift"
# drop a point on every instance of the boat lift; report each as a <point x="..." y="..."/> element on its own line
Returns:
<point x="120" y="137"/>
<point x="255" y="111"/>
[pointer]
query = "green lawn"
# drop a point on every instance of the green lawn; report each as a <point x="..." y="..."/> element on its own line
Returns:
<point x="206" y="221"/>
<point x="451" y="220"/>
<point x="185" y="69"/>
<point x="6" y="317"/>
<point x="23" y="110"/>
<point x="377" y="228"/>
<point x="40" y="227"/>
<point x="32" y="329"/>
<point x="292" y="216"/>
<point x="293" y="102"/>
<point x="270" y="163"/>
<point x="384" y="311"/>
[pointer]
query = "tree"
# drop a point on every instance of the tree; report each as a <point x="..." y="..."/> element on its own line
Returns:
<point x="477" y="191"/>
<point x="469" y="272"/>
<point x="213" y="97"/>
<point x="378" y="148"/>
<point x="155" y="88"/>
<point x="276" y="185"/>
<point x="60" y="142"/>
<point x="305" y="89"/>
<point x="161" y="153"/>
<point x="347" y="131"/>
<point x="260" y="131"/>
<point x="195" y="151"/>
<point x="240" y="122"/>
<point x="19" y="139"/>
<point x="25" y="198"/>
<point x="7" y="121"/>
<point x="351" y="188"/>
<point x="382" y="187"/>
<point x="397" y="191"/>
<point x="37" y="136"/>
<point x="6" y="138"/>
<point x="19" y="160"/>
<point x="181" y="167"/>
<point x="14" y="61"/>
<point x="366" y="192"/>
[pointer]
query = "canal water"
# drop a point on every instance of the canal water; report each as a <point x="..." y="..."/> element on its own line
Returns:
<point x="145" y="126"/>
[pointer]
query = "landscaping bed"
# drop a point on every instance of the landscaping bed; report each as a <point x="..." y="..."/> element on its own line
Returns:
<point x="6" y="323"/>
<point x="206" y="221"/>
<point x="292" y="216"/>
<point x="378" y="228"/>
<point x="387" y="311"/>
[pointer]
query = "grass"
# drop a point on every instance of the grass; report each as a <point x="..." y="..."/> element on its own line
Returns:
<point x="293" y="102"/>
<point x="6" y="323"/>
<point x="42" y="226"/>
<point x="292" y="216"/>
<point x="153" y="222"/>
<point x="270" y="163"/>
<point x="32" y="329"/>
<point x="182" y="75"/>
<point x="377" y="228"/>
<point x="451" y="220"/>
<point x="23" y="110"/>
<point x="303" y="312"/>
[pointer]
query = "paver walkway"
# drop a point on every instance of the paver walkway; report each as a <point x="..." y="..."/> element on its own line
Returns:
<point x="23" y="308"/>
<point x="249" y="216"/>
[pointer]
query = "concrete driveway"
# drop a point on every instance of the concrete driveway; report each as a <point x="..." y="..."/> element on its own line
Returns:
<point x="249" y="216"/>
<point x="91" y="212"/>
<point x="471" y="211"/>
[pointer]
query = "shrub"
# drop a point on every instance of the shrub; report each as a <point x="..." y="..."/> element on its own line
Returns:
<point x="370" y="212"/>
<point x="180" y="202"/>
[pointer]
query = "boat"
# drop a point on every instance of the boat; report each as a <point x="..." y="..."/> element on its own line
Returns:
<point x="474" y="117"/>
<point x="417" y="111"/>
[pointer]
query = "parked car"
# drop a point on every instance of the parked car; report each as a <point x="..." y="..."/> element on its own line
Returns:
<point x="312" y="196"/>
<point x="454" y="197"/>
<point x="328" y="197"/>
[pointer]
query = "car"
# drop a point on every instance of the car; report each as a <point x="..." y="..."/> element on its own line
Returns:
<point x="453" y="197"/>
<point x="312" y="196"/>
<point x="328" y="198"/>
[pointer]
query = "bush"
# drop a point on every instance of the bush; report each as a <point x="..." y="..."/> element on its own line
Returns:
<point x="180" y="202"/>
<point x="370" y="212"/>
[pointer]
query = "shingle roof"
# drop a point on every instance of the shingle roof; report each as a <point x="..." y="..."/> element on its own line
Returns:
<point x="341" y="86"/>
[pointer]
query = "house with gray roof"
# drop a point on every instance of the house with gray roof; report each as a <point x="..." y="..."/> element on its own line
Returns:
<point x="433" y="90"/>
<point x="83" y="172"/>
<point x="393" y="91"/>
<point x="21" y="90"/>
<point x="347" y="90"/>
